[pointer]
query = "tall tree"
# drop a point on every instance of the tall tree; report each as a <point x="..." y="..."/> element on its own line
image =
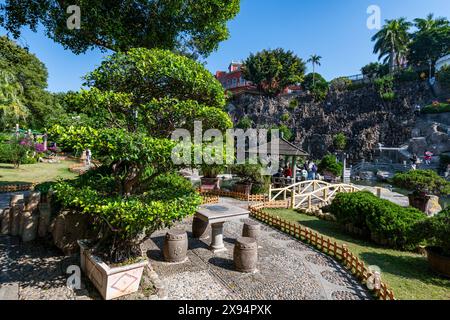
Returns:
<point x="189" y="26"/>
<point x="274" y="70"/>
<point x="315" y="60"/>
<point x="391" y="42"/>
<point x="27" y="75"/>
<point x="430" y="42"/>
<point x="430" y="22"/>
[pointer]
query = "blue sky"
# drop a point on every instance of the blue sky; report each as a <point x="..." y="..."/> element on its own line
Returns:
<point x="334" y="29"/>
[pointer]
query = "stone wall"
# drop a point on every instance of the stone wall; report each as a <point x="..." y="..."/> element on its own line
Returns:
<point x="361" y="114"/>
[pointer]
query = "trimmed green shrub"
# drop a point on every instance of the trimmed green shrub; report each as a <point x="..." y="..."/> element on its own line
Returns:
<point x="245" y="123"/>
<point x="385" y="87"/>
<point x="437" y="108"/>
<point x="407" y="75"/>
<point x="424" y="181"/>
<point x="340" y="84"/>
<point x="293" y="104"/>
<point x="387" y="222"/>
<point x="435" y="231"/>
<point x="285" y="117"/>
<point x="443" y="76"/>
<point x="330" y="164"/>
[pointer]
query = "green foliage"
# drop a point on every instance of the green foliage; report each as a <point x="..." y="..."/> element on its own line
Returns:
<point x="293" y="104"/>
<point x="169" y="199"/>
<point x="407" y="75"/>
<point x="436" y="108"/>
<point x="285" y="132"/>
<point x="274" y="70"/>
<point x="285" y="117"/>
<point x="252" y="173"/>
<point x="340" y="84"/>
<point x="375" y="70"/>
<point x="330" y="164"/>
<point x="340" y="141"/>
<point x="425" y="181"/>
<point x="15" y="153"/>
<point x="443" y="77"/>
<point x="192" y="27"/>
<point x="391" y="42"/>
<point x="23" y="80"/>
<point x="316" y="85"/>
<point x="385" y="87"/>
<point x="435" y="231"/>
<point x="381" y="218"/>
<point x="245" y="123"/>
<point x="431" y="41"/>
<point x="136" y="100"/>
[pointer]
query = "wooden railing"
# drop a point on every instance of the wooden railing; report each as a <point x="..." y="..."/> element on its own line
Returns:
<point x="339" y="251"/>
<point x="237" y="195"/>
<point x="310" y="193"/>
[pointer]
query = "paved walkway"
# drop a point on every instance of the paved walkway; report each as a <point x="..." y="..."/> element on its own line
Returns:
<point x="288" y="269"/>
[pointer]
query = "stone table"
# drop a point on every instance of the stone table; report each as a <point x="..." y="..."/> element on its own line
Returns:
<point x="217" y="215"/>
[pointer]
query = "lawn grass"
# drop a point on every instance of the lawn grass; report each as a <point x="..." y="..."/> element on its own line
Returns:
<point x="35" y="173"/>
<point x="406" y="273"/>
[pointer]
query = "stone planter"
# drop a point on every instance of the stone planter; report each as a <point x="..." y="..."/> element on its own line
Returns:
<point x="438" y="262"/>
<point x="110" y="282"/>
<point x="245" y="188"/>
<point x="212" y="183"/>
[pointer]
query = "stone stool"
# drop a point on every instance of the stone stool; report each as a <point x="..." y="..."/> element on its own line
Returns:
<point x="245" y="255"/>
<point x="251" y="229"/>
<point x="175" y="246"/>
<point x="200" y="229"/>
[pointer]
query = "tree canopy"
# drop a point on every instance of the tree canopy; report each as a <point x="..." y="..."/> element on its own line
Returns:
<point x="189" y="26"/>
<point x="274" y="70"/>
<point x="23" y="83"/>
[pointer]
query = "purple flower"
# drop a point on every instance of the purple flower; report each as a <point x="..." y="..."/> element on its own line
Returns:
<point x="39" y="147"/>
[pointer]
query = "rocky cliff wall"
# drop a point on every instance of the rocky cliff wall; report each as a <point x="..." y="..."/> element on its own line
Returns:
<point x="365" y="118"/>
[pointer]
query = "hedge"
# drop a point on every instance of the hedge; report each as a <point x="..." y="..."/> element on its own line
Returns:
<point x="386" y="222"/>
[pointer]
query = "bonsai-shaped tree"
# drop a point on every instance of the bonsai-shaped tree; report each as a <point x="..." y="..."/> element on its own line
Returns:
<point x="435" y="232"/>
<point x="139" y="98"/>
<point x="422" y="182"/>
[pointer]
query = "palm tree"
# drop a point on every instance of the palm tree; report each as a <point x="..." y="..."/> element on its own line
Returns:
<point x="430" y="23"/>
<point x="11" y="107"/>
<point x="391" y="42"/>
<point x="315" y="60"/>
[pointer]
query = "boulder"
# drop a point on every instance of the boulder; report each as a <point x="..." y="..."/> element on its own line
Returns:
<point x="425" y="203"/>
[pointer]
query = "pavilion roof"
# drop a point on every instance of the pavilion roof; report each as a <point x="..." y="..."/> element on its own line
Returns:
<point x="285" y="148"/>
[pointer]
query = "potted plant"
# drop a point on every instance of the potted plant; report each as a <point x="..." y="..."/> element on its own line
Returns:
<point x="426" y="185"/>
<point x="135" y="190"/>
<point x="435" y="232"/>
<point x="251" y="181"/>
<point x="210" y="179"/>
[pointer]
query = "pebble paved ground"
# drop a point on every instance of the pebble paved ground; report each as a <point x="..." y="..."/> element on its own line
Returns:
<point x="288" y="269"/>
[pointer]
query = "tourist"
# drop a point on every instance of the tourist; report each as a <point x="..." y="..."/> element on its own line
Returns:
<point x="304" y="174"/>
<point x="414" y="162"/>
<point x="287" y="172"/>
<point x="314" y="171"/>
<point x="417" y="110"/>
<point x="88" y="157"/>
<point x="428" y="157"/>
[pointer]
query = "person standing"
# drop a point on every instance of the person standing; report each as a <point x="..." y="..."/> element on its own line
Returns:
<point x="88" y="157"/>
<point x="428" y="157"/>
<point x="414" y="160"/>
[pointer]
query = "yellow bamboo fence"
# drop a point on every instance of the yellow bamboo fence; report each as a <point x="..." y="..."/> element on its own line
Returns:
<point x="324" y="244"/>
